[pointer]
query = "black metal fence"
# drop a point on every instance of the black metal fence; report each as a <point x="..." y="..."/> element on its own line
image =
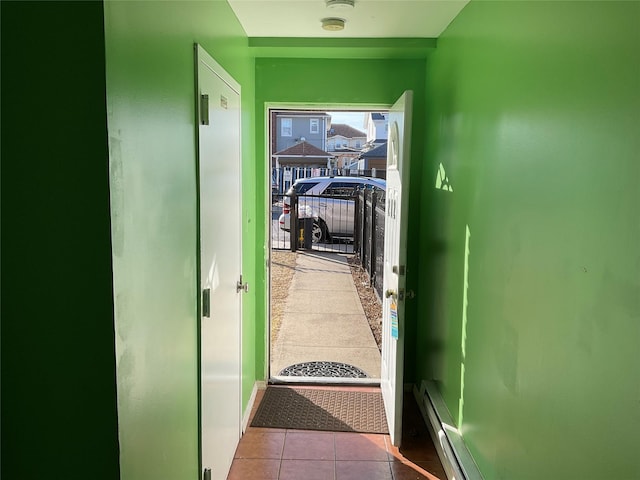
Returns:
<point x="334" y="224"/>
<point x="369" y="235"/>
<point x="325" y="222"/>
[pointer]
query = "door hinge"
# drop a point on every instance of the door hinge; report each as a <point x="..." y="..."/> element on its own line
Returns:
<point x="398" y="270"/>
<point x="206" y="302"/>
<point x="204" y="109"/>
<point x="207" y="474"/>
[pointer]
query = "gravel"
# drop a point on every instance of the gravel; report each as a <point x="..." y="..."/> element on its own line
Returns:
<point x="283" y="264"/>
<point x="368" y="298"/>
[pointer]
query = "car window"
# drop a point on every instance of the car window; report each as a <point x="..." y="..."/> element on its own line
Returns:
<point x="302" y="187"/>
<point x="341" y="189"/>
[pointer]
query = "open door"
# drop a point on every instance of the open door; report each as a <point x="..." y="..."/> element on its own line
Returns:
<point x="395" y="250"/>
<point x="220" y="264"/>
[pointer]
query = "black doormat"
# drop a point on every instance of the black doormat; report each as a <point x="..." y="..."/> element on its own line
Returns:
<point x="323" y="369"/>
<point x="319" y="409"/>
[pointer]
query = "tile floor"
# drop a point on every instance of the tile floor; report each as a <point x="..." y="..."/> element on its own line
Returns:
<point x="279" y="454"/>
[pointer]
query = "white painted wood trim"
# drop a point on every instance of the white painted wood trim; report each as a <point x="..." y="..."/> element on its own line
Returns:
<point x="295" y="380"/>
<point x="454" y="455"/>
<point x="259" y="385"/>
<point x="217" y="69"/>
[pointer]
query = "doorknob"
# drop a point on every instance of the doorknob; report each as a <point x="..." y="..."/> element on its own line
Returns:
<point x="398" y="295"/>
<point x="242" y="286"/>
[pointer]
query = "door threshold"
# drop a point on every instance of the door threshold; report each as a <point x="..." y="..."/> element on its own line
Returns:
<point x="318" y="381"/>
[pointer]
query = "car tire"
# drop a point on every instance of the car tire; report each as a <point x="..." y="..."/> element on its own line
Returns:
<point x="319" y="232"/>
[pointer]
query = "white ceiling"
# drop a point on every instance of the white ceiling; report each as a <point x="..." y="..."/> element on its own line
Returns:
<point x="368" y="19"/>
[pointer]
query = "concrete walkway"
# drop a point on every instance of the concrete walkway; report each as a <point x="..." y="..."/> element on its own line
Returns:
<point x="323" y="318"/>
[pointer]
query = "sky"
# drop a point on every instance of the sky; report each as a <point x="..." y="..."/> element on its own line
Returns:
<point x="354" y="119"/>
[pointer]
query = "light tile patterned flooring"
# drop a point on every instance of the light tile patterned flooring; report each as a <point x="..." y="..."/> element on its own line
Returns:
<point x="279" y="454"/>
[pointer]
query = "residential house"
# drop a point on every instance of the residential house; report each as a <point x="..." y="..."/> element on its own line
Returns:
<point x="525" y="269"/>
<point x="345" y="142"/>
<point x="302" y="154"/>
<point x="377" y="126"/>
<point x="292" y="127"/>
<point x="376" y="158"/>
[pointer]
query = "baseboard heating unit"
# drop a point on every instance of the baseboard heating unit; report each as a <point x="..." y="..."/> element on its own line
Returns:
<point x="454" y="455"/>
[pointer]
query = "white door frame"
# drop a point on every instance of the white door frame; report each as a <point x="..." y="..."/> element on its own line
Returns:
<point x="366" y="107"/>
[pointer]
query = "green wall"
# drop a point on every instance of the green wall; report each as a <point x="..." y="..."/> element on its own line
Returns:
<point x="534" y="113"/>
<point x="58" y="364"/>
<point x="531" y="107"/>
<point x="327" y="81"/>
<point x="150" y="99"/>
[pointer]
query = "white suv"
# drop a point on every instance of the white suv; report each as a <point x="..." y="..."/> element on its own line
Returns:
<point x="330" y="202"/>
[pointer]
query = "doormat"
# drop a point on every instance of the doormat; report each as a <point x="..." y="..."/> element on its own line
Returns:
<point x="323" y="369"/>
<point x="318" y="409"/>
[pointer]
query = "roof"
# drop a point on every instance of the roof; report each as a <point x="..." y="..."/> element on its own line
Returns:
<point x="344" y="130"/>
<point x="302" y="149"/>
<point x="379" y="152"/>
<point x="346" y="150"/>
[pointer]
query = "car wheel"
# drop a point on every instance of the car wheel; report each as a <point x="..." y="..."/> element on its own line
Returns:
<point x="319" y="231"/>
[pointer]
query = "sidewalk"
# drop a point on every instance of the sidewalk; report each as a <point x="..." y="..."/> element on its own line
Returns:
<point x="323" y="319"/>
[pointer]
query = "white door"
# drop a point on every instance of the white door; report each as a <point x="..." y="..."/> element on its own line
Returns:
<point x="395" y="249"/>
<point x="220" y="263"/>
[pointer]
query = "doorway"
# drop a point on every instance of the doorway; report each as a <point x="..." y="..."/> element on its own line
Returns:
<point x="320" y="311"/>
<point x="320" y="329"/>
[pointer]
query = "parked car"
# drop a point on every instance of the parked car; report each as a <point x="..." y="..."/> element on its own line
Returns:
<point x="330" y="201"/>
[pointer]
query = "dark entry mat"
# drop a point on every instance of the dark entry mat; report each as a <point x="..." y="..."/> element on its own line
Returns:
<point x="323" y="369"/>
<point x="319" y="409"/>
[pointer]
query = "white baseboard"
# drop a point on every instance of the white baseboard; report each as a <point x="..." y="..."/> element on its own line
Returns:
<point x="259" y="385"/>
<point x="454" y="455"/>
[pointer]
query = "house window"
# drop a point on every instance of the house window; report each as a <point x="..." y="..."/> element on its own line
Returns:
<point x="314" y="126"/>
<point x="285" y="127"/>
<point x="358" y="144"/>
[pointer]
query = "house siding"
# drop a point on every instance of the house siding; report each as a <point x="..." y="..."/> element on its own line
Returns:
<point x="300" y="129"/>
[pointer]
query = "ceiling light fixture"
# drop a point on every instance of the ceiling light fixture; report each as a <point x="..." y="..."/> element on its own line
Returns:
<point x="340" y="3"/>
<point x="333" y="24"/>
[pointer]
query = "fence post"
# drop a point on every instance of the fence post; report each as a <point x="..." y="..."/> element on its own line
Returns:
<point x="294" y="229"/>
<point x="357" y="230"/>
<point x="363" y="227"/>
<point x="374" y="204"/>
<point x="366" y="248"/>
